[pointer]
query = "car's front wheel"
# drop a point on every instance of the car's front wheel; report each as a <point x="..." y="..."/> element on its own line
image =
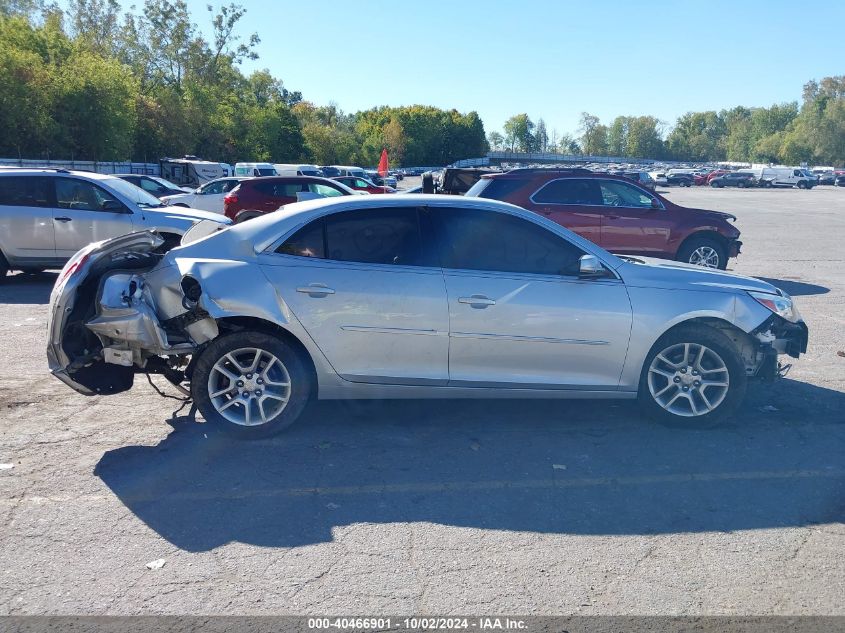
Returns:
<point x="693" y="376"/>
<point x="703" y="251"/>
<point x="250" y="384"/>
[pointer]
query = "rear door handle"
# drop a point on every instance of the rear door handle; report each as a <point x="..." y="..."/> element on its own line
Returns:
<point x="477" y="301"/>
<point x="316" y="290"/>
<point x="63" y="219"/>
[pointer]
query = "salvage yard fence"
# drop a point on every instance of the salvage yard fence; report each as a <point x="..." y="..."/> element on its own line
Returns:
<point x="100" y="167"/>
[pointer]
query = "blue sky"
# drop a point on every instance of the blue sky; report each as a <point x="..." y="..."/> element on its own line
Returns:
<point x="551" y="59"/>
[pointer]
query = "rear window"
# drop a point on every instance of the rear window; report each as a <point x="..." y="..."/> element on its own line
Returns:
<point x="496" y="188"/>
<point x="279" y="189"/>
<point x="26" y="191"/>
<point x="569" y="191"/>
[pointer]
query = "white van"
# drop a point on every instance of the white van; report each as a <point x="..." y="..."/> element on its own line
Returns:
<point x="254" y="169"/>
<point x="350" y="170"/>
<point x="297" y="170"/>
<point x="785" y="177"/>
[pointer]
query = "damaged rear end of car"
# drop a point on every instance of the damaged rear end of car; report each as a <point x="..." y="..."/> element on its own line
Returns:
<point x="106" y="322"/>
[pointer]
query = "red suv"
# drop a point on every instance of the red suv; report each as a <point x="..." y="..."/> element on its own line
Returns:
<point x="257" y="196"/>
<point x="617" y="214"/>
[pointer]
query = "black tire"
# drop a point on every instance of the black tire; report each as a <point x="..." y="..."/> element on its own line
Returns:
<point x="688" y="248"/>
<point x="801" y="184"/>
<point x="741" y="184"/>
<point x="716" y="185"/>
<point x="299" y="379"/>
<point x="721" y="346"/>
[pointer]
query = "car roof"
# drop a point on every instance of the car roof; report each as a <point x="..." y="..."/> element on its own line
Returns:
<point x="39" y="171"/>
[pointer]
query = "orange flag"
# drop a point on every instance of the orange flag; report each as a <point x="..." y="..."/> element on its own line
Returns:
<point x="382" y="163"/>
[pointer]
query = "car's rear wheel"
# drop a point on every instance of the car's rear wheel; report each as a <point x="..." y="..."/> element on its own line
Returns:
<point x="703" y="251"/>
<point x="693" y="376"/>
<point x="250" y="384"/>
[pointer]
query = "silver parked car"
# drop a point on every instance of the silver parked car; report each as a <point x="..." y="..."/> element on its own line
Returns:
<point x="410" y="296"/>
<point x="47" y="215"/>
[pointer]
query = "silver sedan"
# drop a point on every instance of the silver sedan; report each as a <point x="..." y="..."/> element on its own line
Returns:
<point x="410" y="297"/>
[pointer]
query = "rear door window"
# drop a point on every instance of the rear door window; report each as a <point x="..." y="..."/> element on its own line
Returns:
<point x="574" y="191"/>
<point x="326" y="191"/>
<point x="376" y="236"/>
<point x="367" y="236"/>
<point x="26" y="191"/>
<point x="309" y="241"/>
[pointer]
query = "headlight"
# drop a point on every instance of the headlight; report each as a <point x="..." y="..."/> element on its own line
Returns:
<point x="781" y="305"/>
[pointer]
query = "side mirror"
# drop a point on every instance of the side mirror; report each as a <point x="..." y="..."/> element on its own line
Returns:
<point x="655" y="203"/>
<point x="590" y="266"/>
<point x="112" y="205"/>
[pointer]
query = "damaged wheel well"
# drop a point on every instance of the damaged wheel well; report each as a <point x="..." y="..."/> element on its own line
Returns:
<point x="746" y="344"/>
<point x="237" y="324"/>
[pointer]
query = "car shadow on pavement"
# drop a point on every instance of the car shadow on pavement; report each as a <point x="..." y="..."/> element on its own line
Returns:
<point x="27" y="288"/>
<point x="796" y="288"/>
<point x="536" y="466"/>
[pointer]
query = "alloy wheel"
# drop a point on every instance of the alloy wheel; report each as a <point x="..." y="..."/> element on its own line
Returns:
<point x="249" y="386"/>
<point x="688" y="379"/>
<point x="706" y="256"/>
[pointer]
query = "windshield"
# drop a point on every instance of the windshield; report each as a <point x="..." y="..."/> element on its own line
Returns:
<point x="132" y="192"/>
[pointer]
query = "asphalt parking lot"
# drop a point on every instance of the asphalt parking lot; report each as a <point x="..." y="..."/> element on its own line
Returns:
<point x="420" y="507"/>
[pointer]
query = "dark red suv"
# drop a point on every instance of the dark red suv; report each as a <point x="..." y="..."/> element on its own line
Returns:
<point x="617" y="214"/>
<point x="257" y="196"/>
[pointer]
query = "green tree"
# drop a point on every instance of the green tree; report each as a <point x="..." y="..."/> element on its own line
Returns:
<point x="519" y="133"/>
<point x="593" y="135"/>
<point x="496" y="141"/>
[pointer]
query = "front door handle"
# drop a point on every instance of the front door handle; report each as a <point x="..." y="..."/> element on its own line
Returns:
<point x="316" y="290"/>
<point x="477" y="301"/>
<point x="63" y="219"/>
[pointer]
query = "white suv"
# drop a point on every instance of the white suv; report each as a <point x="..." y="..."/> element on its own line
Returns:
<point x="47" y="215"/>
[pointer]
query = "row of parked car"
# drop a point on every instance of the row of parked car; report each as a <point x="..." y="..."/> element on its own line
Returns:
<point x="413" y="296"/>
<point x="409" y="296"/>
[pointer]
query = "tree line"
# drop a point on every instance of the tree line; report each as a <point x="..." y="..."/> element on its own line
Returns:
<point x="812" y="132"/>
<point x="93" y="82"/>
